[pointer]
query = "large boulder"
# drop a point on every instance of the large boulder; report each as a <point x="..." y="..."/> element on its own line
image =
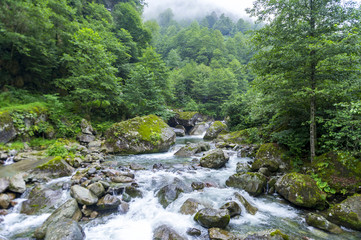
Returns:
<point x="253" y="183"/>
<point x="249" y="207"/>
<point x="83" y="195"/>
<point x="210" y="218"/>
<point x="190" y="206"/>
<point x="41" y="200"/>
<point x="68" y="210"/>
<point x="167" y="194"/>
<point x="347" y="213"/>
<point x="216" y="158"/>
<point x="185" y="119"/>
<point x="233" y="208"/>
<point x="272" y="234"/>
<point x="301" y="190"/>
<point x="108" y="202"/>
<point x="4" y="184"/>
<point x="17" y="183"/>
<point x="192" y="148"/>
<point x="199" y="129"/>
<point x="268" y="156"/>
<point x="214" y="130"/>
<point x="147" y="134"/>
<point x="4" y="201"/>
<point x="165" y="232"/>
<point x="321" y="222"/>
<point x="67" y="229"/>
<point x="221" y="234"/>
<point x="56" y="167"/>
<point x="7" y="130"/>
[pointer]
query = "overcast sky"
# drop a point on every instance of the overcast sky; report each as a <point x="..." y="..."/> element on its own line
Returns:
<point x="184" y="9"/>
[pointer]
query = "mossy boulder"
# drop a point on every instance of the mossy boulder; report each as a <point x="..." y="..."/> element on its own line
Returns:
<point x="167" y="194"/>
<point x="233" y="208"/>
<point x="216" y="158"/>
<point x="83" y="195"/>
<point x="253" y="183"/>
<point x="186" y="119"/>
<point x="192" y="148"/>
<point x="301" y="190"/>
<point x="249" y="208"/>
<point x="56" y="167"/>
<point x="214" y="130"/>
<point x="272" y="234"/>
<point x="221" y="234"/>
<point x="322" y="223"/>
<point x="190" y="206"/>
<point x="245" y="136"/>
<point x="268" y="156"/>
<point x="165" y="232"/>
<point x="147" y="134"/>
<point x="347" y="213"/>
<point x="66" y="229"/>
<point x="7" y="130"/>
<point x="108" y="202"/>
<point x="210" y="218"/>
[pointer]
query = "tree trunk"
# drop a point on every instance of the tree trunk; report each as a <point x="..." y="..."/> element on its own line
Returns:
<point x="313" y="88"/>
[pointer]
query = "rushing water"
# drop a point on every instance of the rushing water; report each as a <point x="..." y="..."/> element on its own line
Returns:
<point x="145" y="214"/>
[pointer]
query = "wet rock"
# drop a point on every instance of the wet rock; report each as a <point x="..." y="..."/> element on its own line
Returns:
<point x="17" y="183"/>
<point x="268" y="156"/>
<point x="40" y="200"/>
<point x="190" y="206"/>
<point x="249" y="208"/>
<point x="248" y="151"/>
<point x="147" y="134"/>
<point x="83" y="195"/>
<point x="322" y="223"/>
<point x="221" y="234"/>
<point x="7" y="130"/>
<point x="97" y="188"/>
<point x="233" y="208"/>
<point x="347" y="213"/>
<point x="214" y="130"/>
<point x="86" y="127"/>
<point x="136" y="167"/>
<point x="192" y="148"/>
<point x="214" y="159"/>
<point x="4" y="201"/>
<point x="56" y="167"/>
<point x="209" y="217"/>
<point x="301" y="190"/>
<point x="199" y="129"/>
<point x="253" y="183"/>
<point x="121" y="179"/>
<point x="66" y="229"/>
<point x="158" y="166"/>
<point x="165" y="232"/>
<point x="167" y="194"/>
<point x="179" y="132"/>
<point x="69" y="210"/>
<point x="273" y="234"/>
<point x="4" y="184"/>
<point x="85" y="138"/>
<point x="108" y="202"/>
<point x="133" y="192"/>
<point x="197" y="185"/>
<point x="225" y="145"/>
<point x="242" y="167"/>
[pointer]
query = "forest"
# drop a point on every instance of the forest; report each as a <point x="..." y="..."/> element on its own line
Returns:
<point x="293" y="77"/>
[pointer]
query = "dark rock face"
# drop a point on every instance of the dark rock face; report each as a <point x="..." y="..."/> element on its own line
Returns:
<point x="209" y="217"/>
<point x="253" y="183"/>
<point x="214" y="159"/>
<point x="347" y="213"/>
<point x="7" y="130"/>
<point x="66" y="229"/>
<point x="301" y="190"/>
<point x="214" y="130"/>
<point x="322" y="223"/>
<point x="186" y="119"/>
<point x="164" y="232"/>
<point x="147" y="134"/>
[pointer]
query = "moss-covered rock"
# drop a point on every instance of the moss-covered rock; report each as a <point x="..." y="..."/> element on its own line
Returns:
<point x="56" y="167"/>
<point x="210" y="218"/>
<point x="301" y="190"/>
<point x="214" y="130"/>
<point x="249" y="208"/>
<point x="7" y="130"/>
<point x="322" y="223"/>
<point x="221" y="234"/>
<point x="147" y="134"/>
<point x="186" y="119"/>
<point x="253" y="183"/>
<point x="272" y="234"/>
<point x="190" y="206"/>
<point x="347" y="213"/>
<point x="192" y="148"/>
<point x="245" y="136"/>
<point x="164" y="232"/>
<point x="216" y="158"/>
<point x="268" y="156"/>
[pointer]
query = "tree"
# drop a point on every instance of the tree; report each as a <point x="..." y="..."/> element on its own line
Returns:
<point x="307" y="47"/>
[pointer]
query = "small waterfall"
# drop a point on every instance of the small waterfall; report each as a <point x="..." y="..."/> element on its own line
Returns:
<point x="9" y="160"/>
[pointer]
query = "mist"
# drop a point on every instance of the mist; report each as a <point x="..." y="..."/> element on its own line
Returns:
<point x="192" y="9"/>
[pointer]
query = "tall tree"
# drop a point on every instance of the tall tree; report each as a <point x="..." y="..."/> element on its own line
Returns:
<point x="307" y="47"/>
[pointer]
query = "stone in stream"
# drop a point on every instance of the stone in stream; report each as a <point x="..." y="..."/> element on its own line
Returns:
<point x="190" y="206"/>
<point x="301" y="190"/>
<point x="17" y="183"/>
<point x="83" y="195"/>
<point x="214" y="159"/>
<point x="221" y="234"/>
<point x="97" y="188"/>
<point x="66" y="229"/>
<point x="56" y="167"/>
<point x="121" y="179"/>
<point x="269" y="156"/>
<point x="4" y="201"/>
<point x="4" y="184"/>
<point x="179" y="132"/>
<point x="194" y="232"/>
<point x="192" y="148"/>
<point x="69" y="210"/>
<point x="199" y="129"/>
<point x="165" y="232"/>
<point x="108" y="202"/>
<point x="214" y="130"/>
<point x="322" y="223"/>
<point x="249" y="208"/>
<point x="167" y="194"/>
<point x="347" y="213"/>
<point x="233" y="208"/>
<point x="253" y="183"/>
<point x="209" y="217"/>
<point x="272" y="234"/>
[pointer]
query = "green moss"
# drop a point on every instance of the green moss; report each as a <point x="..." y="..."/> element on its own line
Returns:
<point x="35" y="107"/>
<point x="186" y="115"/>
<point x="51" y="164"/>
<point x="245" y="136"/>
<point x="279" y="233"/>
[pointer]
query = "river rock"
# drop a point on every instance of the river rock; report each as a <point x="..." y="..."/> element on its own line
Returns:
<point x="56" y="167"/>
<point x="272" y="234"/>
<point x="249" y="208"/>
<point x="185" y="119"/>
<point x="167" y="194"/>
<point x="194" y="232"/>
<point x="209" y="217"/>
<point x="347" y="213"/>
<point x="4" y="201"/>
<point x="216" y="158"/>
<point x="301" y="190"/>
<point x="268" y="156"/>
<point x="199" y="129"/>
<point x="179" y="132"/>
<point x="69" y="210"/>
<point x="233" y="208"/>
<point x="86" y="127"/>
<point x="4" y="184"/>
<point x="253" y="183"/>
<point x="192" y="148"/>
<point x="221" y="234"/>
<point x="67" y="229"/>
<point x="85" y="138"/>
<point x="97" y="188"/>
<point x="214" y="130"/>
<point x="121" y="179"/>
<point x="242" y="167"/>
<point x="108" y="202"/>
<point x="165" y="232"/>
<point x="133" y="192"/>
<point x="82" y="195"/>
<point x="190" y="206"/>
<point x="40" y="200"/>
<point x="322" y="223"/>
<point x="197" y="185"/>
<point x="147" y="134"/>
<point x="7" y="130"/>
<point x="17" y="183"/>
